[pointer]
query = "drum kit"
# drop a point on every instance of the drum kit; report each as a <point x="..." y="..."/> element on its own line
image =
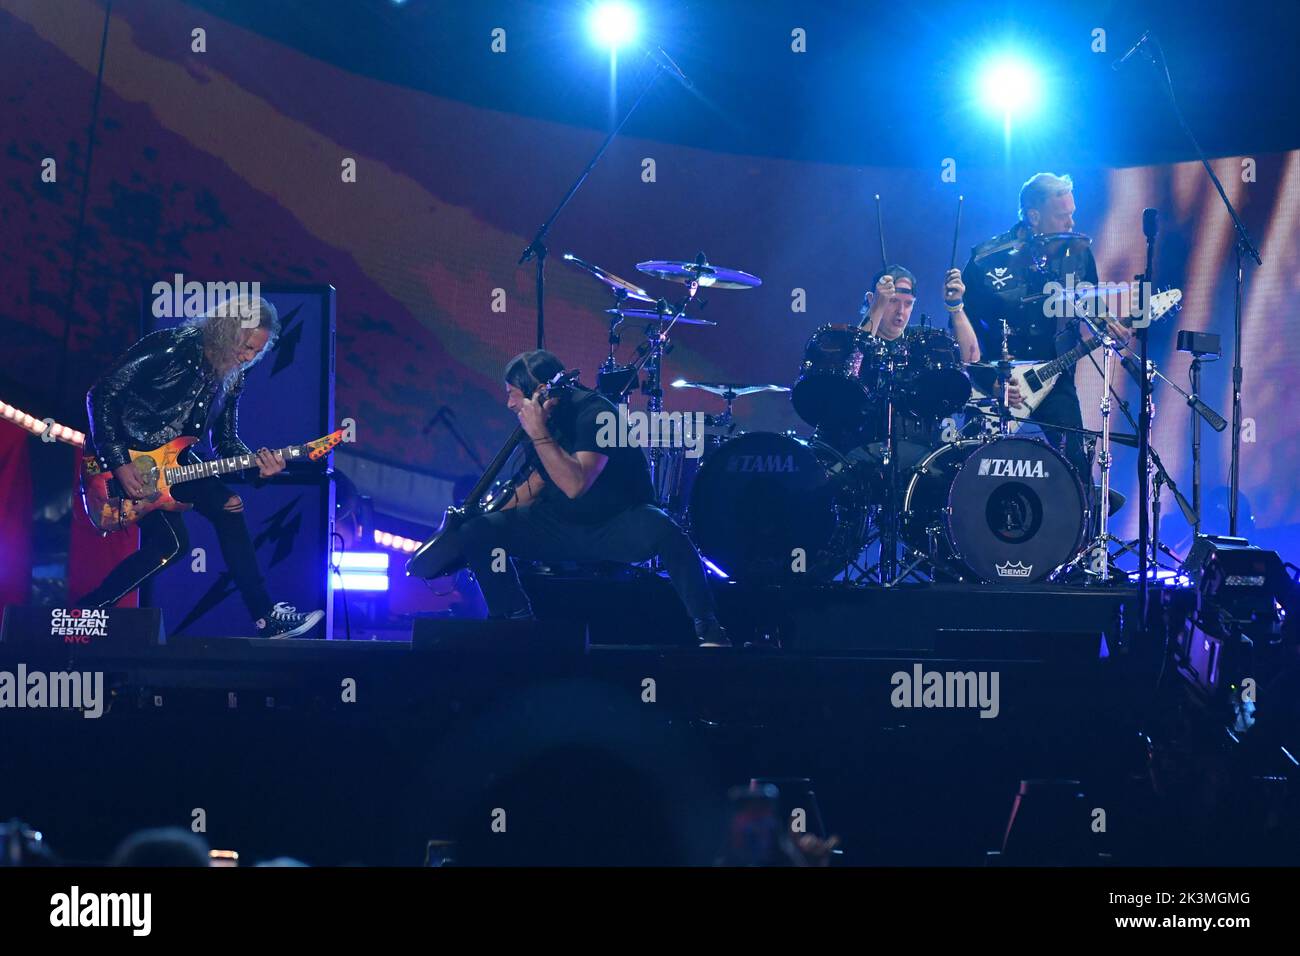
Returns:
<point x="887" y="472"/>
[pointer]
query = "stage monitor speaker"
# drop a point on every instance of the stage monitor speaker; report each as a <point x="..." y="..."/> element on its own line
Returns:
<point x="1246" y="584"/>
<point x="288" y="398"/>
<point x="81" y="632"/>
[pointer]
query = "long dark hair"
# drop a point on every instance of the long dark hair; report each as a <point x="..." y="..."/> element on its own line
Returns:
<point x="527" y="370"/>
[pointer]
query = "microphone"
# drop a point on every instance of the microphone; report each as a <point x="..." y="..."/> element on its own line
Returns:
<point x="1132" y="50"/>
<point x="666" y="63"/>
<point x="1212" y="418"/>
<point x="1150" y="222"/>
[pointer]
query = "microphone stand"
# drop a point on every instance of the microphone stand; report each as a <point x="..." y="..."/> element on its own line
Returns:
<point x="1243" y="247"/>
<point x="536" y="250"/>
<point x="444" y="415"/>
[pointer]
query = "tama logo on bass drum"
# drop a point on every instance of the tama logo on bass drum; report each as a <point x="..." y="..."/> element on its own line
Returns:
<point x="1012" y="468"/>
<point x="763" y="463"/>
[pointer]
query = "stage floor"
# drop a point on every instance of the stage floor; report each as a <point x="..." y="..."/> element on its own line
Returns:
<point x="609" y="739"/>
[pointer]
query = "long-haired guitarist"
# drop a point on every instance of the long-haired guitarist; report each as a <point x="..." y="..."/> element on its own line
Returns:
<point x="584" y="502"/>
<point x="187" y="381"/>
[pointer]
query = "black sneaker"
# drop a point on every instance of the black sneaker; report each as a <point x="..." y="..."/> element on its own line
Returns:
<point x="285" y="621"/>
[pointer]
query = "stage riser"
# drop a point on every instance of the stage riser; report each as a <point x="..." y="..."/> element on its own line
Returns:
<point x="979" y="622"/>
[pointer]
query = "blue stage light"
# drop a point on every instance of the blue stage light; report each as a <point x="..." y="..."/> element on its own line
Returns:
<point x="1009" y="87"/>
<point x="613" y="25"/>
<point x="362" y="570"/>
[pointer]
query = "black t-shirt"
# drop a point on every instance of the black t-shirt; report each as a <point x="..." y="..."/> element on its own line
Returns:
<point x="998" y="281"/>
<point x="624" y="482"/>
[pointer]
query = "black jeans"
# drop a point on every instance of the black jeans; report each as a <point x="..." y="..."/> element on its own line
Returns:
<point x="163" y="539"/>
<point x="534" y="533"/>
<point x="1061" y="407"/>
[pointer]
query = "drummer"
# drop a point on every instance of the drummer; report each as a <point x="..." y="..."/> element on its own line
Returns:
<point x="887" y="318"/>
<point x="894" y="297"/>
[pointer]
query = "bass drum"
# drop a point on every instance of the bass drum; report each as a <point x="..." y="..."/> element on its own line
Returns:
<point x="1007" y="511"/>
<point x="761" y="496"/>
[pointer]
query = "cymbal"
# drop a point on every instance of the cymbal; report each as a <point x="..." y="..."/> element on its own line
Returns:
<point x="652" y="316"/>
<point x="710" y="277"/>
<point x="722" y="388"/>
<point x="1053" y="245"/>
<point x="610" y="280"/>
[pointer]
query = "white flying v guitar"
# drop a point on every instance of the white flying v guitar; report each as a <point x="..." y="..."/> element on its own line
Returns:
<point x="1036" y="381"/>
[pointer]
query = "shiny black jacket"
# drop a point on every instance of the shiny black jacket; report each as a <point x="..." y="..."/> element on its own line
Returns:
<point x="998" y="283"/>
<point x="162" y="388"/>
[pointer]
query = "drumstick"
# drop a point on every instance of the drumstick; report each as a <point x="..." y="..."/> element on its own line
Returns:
<point x="880" y="228"/>
<point x="956" y="231"/>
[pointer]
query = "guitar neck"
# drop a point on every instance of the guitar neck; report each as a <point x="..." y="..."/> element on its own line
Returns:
<point x="1063" y="363"/>
<point x="1161" y="303"/>
<point x="224" y="466"/>
<point x="493" y="469"/>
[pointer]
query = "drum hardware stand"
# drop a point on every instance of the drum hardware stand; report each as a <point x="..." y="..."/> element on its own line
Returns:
<point x="889" y="526"/>
<point x="653" y="388"/>
<point x="651" y="360"/>
<point x="611" y="361"/>
<point x="1098" y="553"/>
<point x="725" y="421"/>
<point x="1156" y="466"/>
<point x="918" y="558"/>
<point x="855" y="563"/>
<point x="1004" y="372"/>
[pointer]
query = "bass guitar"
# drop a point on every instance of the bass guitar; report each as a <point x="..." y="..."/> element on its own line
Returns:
<point x="441" y="555"/>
